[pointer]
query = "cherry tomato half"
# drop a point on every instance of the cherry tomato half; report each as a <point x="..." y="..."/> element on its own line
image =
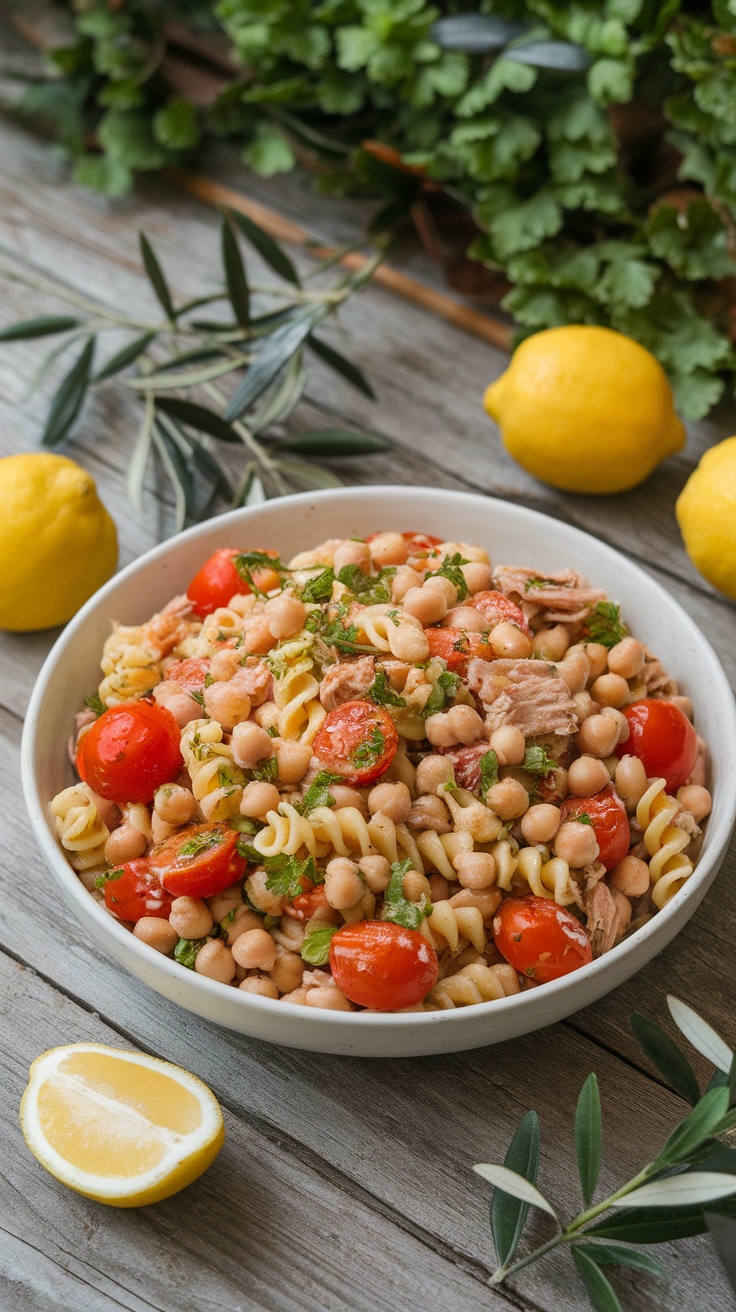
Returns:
<point x="664" y="740"/>
<point x="135" y="891"/>
<point x="539" y="938"/>
<point x="458" y="646"/>
<point x="609" y="820"/>
<point x="494" y="608"/>
<point x="307" y="904"/>
<point x="130" y="751"/>
<point x="382" y="965"/>
<point x="357" y="741"/>
<point x="198" y="861"/>
<point x="218" y="580"/>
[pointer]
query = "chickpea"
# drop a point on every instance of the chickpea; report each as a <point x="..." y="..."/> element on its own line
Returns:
<point x="695" y="799"/>
<point x="182" y="706"/>
<point x="243" y="919"/>
<point x="598" y="656"/>
<point x="260" y="985"/>
<point x="684" y="704"/>
<point x="257" y="636"/>
<point x="551" y="644"/>
<point x="630" y="876"/>
<point x="576" y="843"/>
<point x="611" y="690"/>
<point x="540" y="823"/>
<point x="376" y="871"/>
<point x="465" y="617"/>
<point x="618" y="718"/>
<point x="626" y="658"/>
<point x="487" y="900"/>
<point x="255" y="950"/>
<point x="224" y="663"/>
<point x="509" y="799"/>
<point x="509" y="744"/>
<point x="587" y="776"/>
<point x="433" y="772"/>
<point x="298" y="996"/>
<point x="267" y="715"/>
<point x="293" y="761"/>
<point x="404" y="579"/>
<point x="344" y="796"/>
<point x="408" y="643"/>
<point x="250" y="744"/>
<point x="394" y="800"/>
<point x="190" y="917"/>
<point x="286" y="615"/>
<point x="443" y="585"/>
<point x="258" y="799"/>
<point x="597" y="736"/>
<point x="508" y="641"/>
<point x="287" y="970"/>
<point x="478" y="577"/>
<point x="329" y="998"/>
<point x="388" y="549"/>
<point x="631" y="781"/>
<point x="220" y="904"/>
<point x="428" y="605"/>
<point x="439" y="888"/>
<point x="352" y="553"/>
<point x="430" y="812"/>
<point x="160" y="830"/>
<point x="476" y="870"/>
<point x="215" y="961"/>
<point x="439" y="730"/>
<point x="174" y="804"/>
<point x="157" y="933"/>
<point x="574" y="670"/>
<point x="125" y="844"/>
<point x="584" y="705"/>
<point x="416" y="886"/>
<point x="343" y="884"/>
<point x="465" y="724"/>
<point x="263" y="899"/>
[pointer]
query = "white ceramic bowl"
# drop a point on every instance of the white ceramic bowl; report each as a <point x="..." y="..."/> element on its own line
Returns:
<point x="513" y="535"/>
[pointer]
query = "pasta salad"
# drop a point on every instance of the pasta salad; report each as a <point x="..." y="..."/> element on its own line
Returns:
<point x="383" y="775"/>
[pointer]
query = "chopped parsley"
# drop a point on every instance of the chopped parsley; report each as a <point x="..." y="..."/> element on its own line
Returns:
<point x="371" y="750"/>
<point x="451" y="569"/>
<point x="318" y="793"/>
<point x="208" y="680"/>
<point x="197" y="696"/>
<point x="371" y="589"/>
<point x="443" y="692"/>
<point x="187" y="949"/>
<point x="200" y="843"/>
<point x="248" y="561"/>
<point x="583" y="819"/>
<point x="330" y="627"/>
<point x="316" y="945"/>
<point x="537" y="761"/>
<point x="243" y="824"/>
<point x="605" y="625"/>
<point x="392" y="615"/>
<point x="382" y="693"/>
<point x="107" y="877"/>
<point x="96" y="704"/>
<point x="488" y="771"/>
<point x="266" y="772"/>
<point x="541" y="583"/>
<point x="228" y="778"/>
<point x="285" y="875"/>
<point x="319" y="588"/>
<point x="398" y="908"/>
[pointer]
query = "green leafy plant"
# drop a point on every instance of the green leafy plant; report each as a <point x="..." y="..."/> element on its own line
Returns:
<point x="205" y="383"/>
<point x="693" y="1173"/>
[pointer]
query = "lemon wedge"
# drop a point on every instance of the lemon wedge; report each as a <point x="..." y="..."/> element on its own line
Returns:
<point x="118" y="1126"/>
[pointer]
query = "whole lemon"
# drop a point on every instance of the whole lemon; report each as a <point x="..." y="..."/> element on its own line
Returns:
<point x="706" y="513"/>
<point x="57" y="542"/>
<point x="585" y="409"/>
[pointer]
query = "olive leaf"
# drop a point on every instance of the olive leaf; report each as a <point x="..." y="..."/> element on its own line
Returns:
<point x="600" y="1290"/>
<point x="645" y="1225"/>
<point x="69" y="398"/>
<point x="516" y="1185"/>
<point x="41" y="327"/>
<point x="270" y="355"/>
<point x="127" y="355"/>
<point x="619" y="1255"/>
<point x="267" y="248"/>
<point x="665" y="1055"/>
<point x="197" y="416"/>
<point x="702" y="1035"/>
<point x="588" y="1136"/>
<point x="235" y="276"/>
<point x="178" y="473"/>
<point x="139" y="458"/>
<point x="338" y="362"/>
<point x="156" y="276"/>
<point x="334" y="442"/>
<point x="703" y="1121"/>
<point x="280" y="397"/>
<point x="692" y="1187"/>
<point x="508" y="1214"/>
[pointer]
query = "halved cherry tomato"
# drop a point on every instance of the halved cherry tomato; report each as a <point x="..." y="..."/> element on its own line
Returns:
<point x="357" y="741"/>
<point x="135" y="891"/>
<point x="609" y="820"/>
<point x="664" y="740"/>
<point x="218" y="580"/>
<point x="199" y="861"/>
<point x="382" y="965"/>
<point x="458" y="646"/>
<point x="307" y="904"/>
<point x="189" y="674"/>
<point x="539" y="938"/>
<point x="494" y="608"/>
<point x="129" y="751"/>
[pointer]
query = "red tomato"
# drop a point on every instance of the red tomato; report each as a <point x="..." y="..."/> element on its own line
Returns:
<point x="610" y="823"/>
<point x="539" y="938"/>
<point x="381" y="965"/>
<point x="308" y="904"/>
<point x="664" y="740"/>
<point x="494" y="608"/>
<point x="130" y="751"/>
<point x="136" y="891"/>
<point x="190" y="674"/>
<point x="218" y="580"/>
<point x="357" y="741"/>
<point x="457" y="647"/>
<point x="199" y="861"/>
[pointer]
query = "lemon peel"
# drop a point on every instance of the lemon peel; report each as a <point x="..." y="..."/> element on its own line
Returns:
<point x="706" y="514"/>
<point x="58" y="544"/>
<point x="585" y="409"/>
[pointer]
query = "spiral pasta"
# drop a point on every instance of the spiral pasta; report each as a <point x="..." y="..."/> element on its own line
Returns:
<point x="452" y="924"/>
<point x="81" y="831"/>
<point x="665" y="841"/>
<point x="131" y="665"/>
<point x="544" y="876"/>
<point x="296" y="690"/>
<point x="474" y="983"/>
<point x="217" y="782"/>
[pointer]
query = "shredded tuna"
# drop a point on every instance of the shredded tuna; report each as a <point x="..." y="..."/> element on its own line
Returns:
<point x="602" y="918"/>
<point x="565" y="595"/>
<point x="657" y="681"/>
<point x="257" y="681"/>
<point x="171" y="625"/>
<point x="529" y="695"/>
<point x="346" y="681"/>
<point x="623" y="913"/>
<point x="466" y="762"/>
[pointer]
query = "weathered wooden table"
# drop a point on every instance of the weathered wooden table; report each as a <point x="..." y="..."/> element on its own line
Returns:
<point x="342" y="1183"/>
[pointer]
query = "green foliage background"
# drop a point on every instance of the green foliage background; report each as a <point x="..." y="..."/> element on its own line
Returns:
<point x="589" y="223"/>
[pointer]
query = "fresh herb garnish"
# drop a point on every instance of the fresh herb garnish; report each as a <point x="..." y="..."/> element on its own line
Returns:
<point x="228" y="777"/>
<point x="488" y="771"/>
<point x="266" y="772"/>
<point x="319" y="588"/>
<point x="538" y="761"/>
<point x="285" y="875"/>
<point x="96" y="704"/>
<point x="398" y="908"/>
<point x="443" y="692"/>
<point x="200" y="843"/>
<point x="604" y="624"/>
<point x="371" y="589"/>
<point x="248" y="561"/>
<point x="318" y="793"/>
<point x="316" y="945"/>
<point x="107" y="877"/>
<point x="382" y="693"/>
<point x="187" y="949"/>
<point x="451" y="569"/>
<point x="370" y="751"/>
<point x="244" y="825"/>
<point x="330" y="627"/>
<point x="541" y="583"/>
<point x="197" y="696"/>
<point x="208" y="680"/>
<point x="582" y="819"/>
<point x="250" y="853"/>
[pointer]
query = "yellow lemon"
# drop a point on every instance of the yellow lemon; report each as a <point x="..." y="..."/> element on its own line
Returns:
<point x="117" y="1126"/>
<point x="585" y="409"/>
<point x="58" y="544"/>
<point x="706" y="513"/>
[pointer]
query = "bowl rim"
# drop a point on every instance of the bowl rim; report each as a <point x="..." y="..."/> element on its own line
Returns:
<point x="718" y="834"/>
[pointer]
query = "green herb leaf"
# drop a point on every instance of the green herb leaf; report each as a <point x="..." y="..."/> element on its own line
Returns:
<point x="443" y="692"/>
<point x="537" y="761"/>
<point x="509" y="1213"/>
<point x="319" y="588"/>
<point x="200" y="843"/>
<point x="156" y="276"/>
<point x="266" y="771"/>
<point x="516" y="1185"/>
<point x="665" y="1055"/>
<point x="316" y="945"/>
<point x="268" y="249"/>
<point x="125" y="356"/>
<point x="703" y="1121"/>
<point x="604" y="624"/>
<point x="187" y="949"/>
<point x="44" y="326"/>
<point x="370" y="589"/>
<point x="488" y="771"/>
<point x="285" y="875"/>
<point x="382" y="693"/>
<point x="588" y="1137"/>
<point x="582" y="819"/>
<point x="197" y="416"/>
<point x="249" y="561"/>
<point x="318" y="793"/>
<point x="618" y="1255"/>
<point x="693" y="1188"/>
<point x="333" y="442"/>
<point x="371" y="749"/>
<point x="107" y="877"/>
<point x="398" y="908"/>
<point x="346" y="368"/>
<point x="235" y="276"/>
<point x="95" y="703"/>
<point x="451" y="569"/>
<point x="601" y="1292"/>
<point x="69" y="397"/>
